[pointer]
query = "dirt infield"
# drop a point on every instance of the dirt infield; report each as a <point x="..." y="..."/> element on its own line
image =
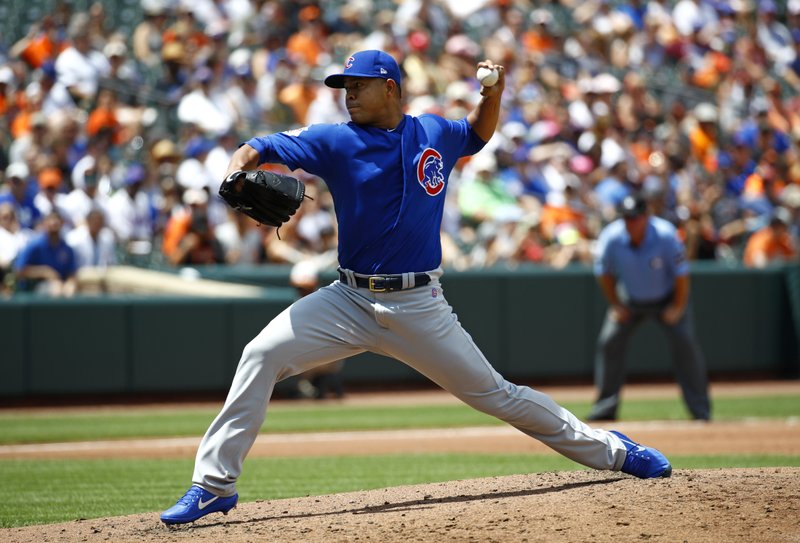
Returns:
<point x="747" y="505"/>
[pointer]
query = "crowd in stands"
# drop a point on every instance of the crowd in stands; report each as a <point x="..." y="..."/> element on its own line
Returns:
<point x="113" y="144"/>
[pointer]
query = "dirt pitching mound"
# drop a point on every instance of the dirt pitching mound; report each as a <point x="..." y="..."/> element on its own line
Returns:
<point x="747" y="505"/>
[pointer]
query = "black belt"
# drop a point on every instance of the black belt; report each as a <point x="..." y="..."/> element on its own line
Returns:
<point x="385" y="283"/>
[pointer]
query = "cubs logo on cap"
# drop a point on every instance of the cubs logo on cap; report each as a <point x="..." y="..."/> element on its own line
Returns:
<point x="370" y="63"/>
<point x="430" y="171"/>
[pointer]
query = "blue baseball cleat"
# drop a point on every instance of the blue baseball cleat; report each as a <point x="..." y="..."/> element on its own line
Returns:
<point x="643" y="462"/>
<point x="197" y="503"/>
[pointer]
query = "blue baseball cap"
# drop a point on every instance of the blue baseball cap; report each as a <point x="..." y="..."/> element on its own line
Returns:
<point x="371" y="63"/>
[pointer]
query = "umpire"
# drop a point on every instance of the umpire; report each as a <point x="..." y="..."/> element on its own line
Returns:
<point x="640" y="264"/>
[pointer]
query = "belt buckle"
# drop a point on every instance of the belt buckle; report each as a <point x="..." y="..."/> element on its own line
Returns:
<point x="376" y="279"/>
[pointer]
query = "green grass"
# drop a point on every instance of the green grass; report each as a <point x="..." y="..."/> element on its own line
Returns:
<point x="193" y="421"/>
<point x="48" y="491"/>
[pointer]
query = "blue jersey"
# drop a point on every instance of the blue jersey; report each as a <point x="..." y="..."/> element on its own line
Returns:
<point x="39" y="252"/>
<point x="388" y="186"/>
<point x="647" y="272"/>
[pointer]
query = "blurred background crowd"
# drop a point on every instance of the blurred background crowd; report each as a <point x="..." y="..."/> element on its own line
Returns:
<point x="117" y="121"/>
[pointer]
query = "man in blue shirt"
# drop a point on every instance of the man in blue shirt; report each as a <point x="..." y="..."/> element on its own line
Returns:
<point x="21" y="194"/>
<point x="47" y="264"/>
<point x="387" y="173"/>
<point x="643" y="255"/>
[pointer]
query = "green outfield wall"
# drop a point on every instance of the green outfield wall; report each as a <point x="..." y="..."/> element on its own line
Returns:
<point x="532" y="323"/>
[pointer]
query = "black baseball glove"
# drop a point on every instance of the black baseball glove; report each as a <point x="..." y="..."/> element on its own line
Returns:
<point x="267" y="197"/>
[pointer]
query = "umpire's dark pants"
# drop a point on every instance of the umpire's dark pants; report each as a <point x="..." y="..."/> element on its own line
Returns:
<point x="612" y="346"/>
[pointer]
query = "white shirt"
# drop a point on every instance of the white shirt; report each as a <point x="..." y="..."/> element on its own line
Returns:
<point x="99" y="253"/>
<point x="128" y="217"/>
<point x="11" y="243"/>
<point x="77" y="204"/>
<point x="197" y="108"/>
<point x="74" y="69"/>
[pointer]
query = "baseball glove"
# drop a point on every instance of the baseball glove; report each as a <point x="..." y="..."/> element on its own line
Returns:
<point x="267" y="197"/>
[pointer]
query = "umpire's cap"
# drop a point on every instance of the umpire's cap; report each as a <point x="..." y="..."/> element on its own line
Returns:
<point x="632" y="205"/>
<point x="370" y="63"/>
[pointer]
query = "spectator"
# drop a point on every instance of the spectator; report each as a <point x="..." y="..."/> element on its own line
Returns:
<point x="13" y="239"/>
<point x="642" y="271"/>
<point x="188" y="237"/>
<point x="616" y="83"/>
<point x="20" y="195"/>
<point x="86" y="194"/>
<point x="130" y="213"/>
<point x="51" y="193"/>
<point x="79" y="67"/>
<point x="93" y="242"/>
<point x="772" y="243"/>
<point x="241" y="239"/>
<point x="200" y="108"/>
<point x="47" y="265"/>
<point x="484" y="198"/>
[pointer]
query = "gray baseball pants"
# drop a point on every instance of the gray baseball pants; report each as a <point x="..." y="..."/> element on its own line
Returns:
<point x="612" y="345"/>
<point x="416" y="326"/>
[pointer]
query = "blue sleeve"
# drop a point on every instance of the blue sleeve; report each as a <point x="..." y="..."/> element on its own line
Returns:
<point x="678" y="256"/>
<point x="602" y="260"/>
<point x="24" y="257"/>
<point x="462" y="131"/>
<point x="307" y="148"/>
<point x="474" y="141"/>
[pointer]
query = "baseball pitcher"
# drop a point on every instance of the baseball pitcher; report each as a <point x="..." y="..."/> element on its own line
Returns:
<point x="388" y="174"/>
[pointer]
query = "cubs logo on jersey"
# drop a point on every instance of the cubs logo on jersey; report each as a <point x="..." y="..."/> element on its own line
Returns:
<point x="430" y="171"/>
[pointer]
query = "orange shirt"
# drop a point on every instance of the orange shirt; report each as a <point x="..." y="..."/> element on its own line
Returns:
<point x="40" y="49"/>
<point x="553" y="216"/>
<point x="176" y="228"/>
<point x="767" y="243"/>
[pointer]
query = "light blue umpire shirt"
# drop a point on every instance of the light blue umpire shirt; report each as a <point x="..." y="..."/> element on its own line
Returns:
<point x="647" y="273"/>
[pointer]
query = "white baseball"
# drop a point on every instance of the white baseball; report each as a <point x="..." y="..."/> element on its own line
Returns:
<point x="487" y="76"/>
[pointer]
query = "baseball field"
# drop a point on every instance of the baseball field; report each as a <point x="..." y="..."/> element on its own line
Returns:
<point x="408" y="466"/>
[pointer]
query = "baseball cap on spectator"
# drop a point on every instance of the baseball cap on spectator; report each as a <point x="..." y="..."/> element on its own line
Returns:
<point x="632" y="205"/>
<point x="370" y="63"/>
<point x="17" y="170"/>
<point x="724" y="159"/>
<point x="197" y="146"/>
<point x="195" y="196"/>
<point x="38" y="119"/>
<point x="605" y="84"/>
<point x="48" y="69"/>
<point x="543" y="130"/>
<point x="154" y="7"/>
<point x="203" y="74"/>
<point x="165" y="150"/>
<point x="419" y="40"/>
<point x="581" y="164"/>
<point x="462" y="46"/>
<point x="514" y="130"/>
<point x="239" y="61"/>
<point x="134" y="174"/>
<point x="6" y="75"/>
<point x="780" y="215"/>
<point x="115" y="49"/>
<point x="705" y="113"/>
<point x="50" y="178"/>
<point x="767" y="6"/>
<point x="541" y="16"/>
<point x="173" y="52"/>
<point x="484" y="162"/>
